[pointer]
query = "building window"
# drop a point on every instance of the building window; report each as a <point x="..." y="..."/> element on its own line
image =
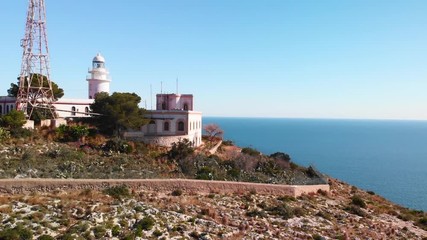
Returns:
<point x="7" y="109"/>
<point x="166" y="126"/>
<point x="185" y="107"/>
<point x="1" y="109"/>
<point x="181" y="126"/>
<point x="73" y="111"/>
<point x="163" y="106"/>
<point x="87" y="110"/>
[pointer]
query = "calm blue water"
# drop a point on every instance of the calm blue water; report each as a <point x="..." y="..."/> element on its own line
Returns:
<point x="387" y="157"/>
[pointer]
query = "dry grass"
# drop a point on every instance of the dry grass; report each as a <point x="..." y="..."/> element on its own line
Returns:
<point x="6" y="209"/>
<point x="5" y="200"/>
<point x="36" y="199"/>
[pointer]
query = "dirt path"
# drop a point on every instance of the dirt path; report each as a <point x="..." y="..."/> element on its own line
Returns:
<point x="215" y="148"/>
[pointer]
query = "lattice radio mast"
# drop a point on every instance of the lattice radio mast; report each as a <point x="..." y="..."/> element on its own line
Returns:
<point x="35" y="87"/>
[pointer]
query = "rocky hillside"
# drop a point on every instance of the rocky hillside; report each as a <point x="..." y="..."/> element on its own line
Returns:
<point x="118" y="213"/>
<point x="118" y="159"/>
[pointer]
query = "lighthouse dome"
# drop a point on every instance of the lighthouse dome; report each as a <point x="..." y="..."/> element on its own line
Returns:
<point x="99" y="58"/>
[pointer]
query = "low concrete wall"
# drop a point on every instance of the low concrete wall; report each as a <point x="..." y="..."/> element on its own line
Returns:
<point x="53" y="123"/>
<point x="15" y="186"/>
<point x="165" y="141"/>
<point x="29" y="124"/>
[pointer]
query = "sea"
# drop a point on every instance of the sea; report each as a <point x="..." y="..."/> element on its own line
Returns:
<point x="388" y="157"/>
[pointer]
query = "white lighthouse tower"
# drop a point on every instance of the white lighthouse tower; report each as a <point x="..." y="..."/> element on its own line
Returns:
<point x="99" y="79"/>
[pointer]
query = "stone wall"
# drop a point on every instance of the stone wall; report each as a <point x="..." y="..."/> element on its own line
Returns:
<point x="188" y="185"/>
<point x="158" y="140"/>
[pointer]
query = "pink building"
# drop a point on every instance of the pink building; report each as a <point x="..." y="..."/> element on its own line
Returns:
<point x="173" y="119"/>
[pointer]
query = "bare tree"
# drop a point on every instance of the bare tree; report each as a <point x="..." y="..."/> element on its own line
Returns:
<point x="213" y="131"/>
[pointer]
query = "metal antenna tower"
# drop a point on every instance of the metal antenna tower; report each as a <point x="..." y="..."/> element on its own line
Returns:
<point x="35" y="87"/>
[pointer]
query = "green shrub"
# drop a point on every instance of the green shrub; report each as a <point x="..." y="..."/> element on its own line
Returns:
<point x="99" y="232"/>
<point x="423" y="221"/>
<point x="118" y="145"/>
<point x="299" y="212"/>
<point x="251" y="151"/>
<point x="282" y="210"/>
<point x="20" y="132"/>
<point x="194" y="235"/>
<point x="281" y="156"/>
<point x="317" y="237"/>
<point x="67" y="236"/>
<point x="269" y="168"/>
<point x="14" y="119"/>
<point x="353" y="209"/>
<point x="205" y="173"/>
<point x="180" y="150"/>
<point x="311" y="172"/>
<point x="45" y="237"/>
<point x="324" y="215"/>
<point x="286" y="198"/>
<point x="256" y="213"/>
<point x="115" y="231"/>
<point x="227" y="143"/>
<point x="177" y="192"/>
<point x="118" y="192"/>
<point x="146" y="223"/>
<point x="16" y="233"/>
<point x="358" y="201"/>
<point x="73" y="133"/>
<point x="157" y="233"/>
<point x="234" y="173"/>
<point x="138" y="208"/>
<point x="4" y="134"/>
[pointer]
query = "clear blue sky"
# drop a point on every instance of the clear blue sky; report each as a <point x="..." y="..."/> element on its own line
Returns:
<point x="265" y="58"/>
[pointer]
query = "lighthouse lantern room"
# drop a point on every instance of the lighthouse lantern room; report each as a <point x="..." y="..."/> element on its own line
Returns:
<point x="99" y="79"/>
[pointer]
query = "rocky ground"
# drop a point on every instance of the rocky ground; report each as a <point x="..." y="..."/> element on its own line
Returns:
<point x="344" y="213"/>
<point x="119" y="213"/>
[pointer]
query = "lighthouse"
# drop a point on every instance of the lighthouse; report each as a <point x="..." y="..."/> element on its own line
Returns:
<point x="99" y="79"/>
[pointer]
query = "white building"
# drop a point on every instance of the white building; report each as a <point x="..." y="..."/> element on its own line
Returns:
<point x="98" y="81"/>
<point x="7" y="104"/>
<point x="174" y="119"/>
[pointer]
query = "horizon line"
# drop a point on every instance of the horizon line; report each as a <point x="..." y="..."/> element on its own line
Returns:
<point x="321" y="118"/>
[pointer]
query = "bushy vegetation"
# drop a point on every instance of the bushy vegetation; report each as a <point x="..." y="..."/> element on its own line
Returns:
<point x="180" y="150"/>
<point x="71" y="133"/>
<point x="118" y="112"/>
<point x="117" y="145"/>
<point x="13" y="119"/>
<point x="11" y="126"/>
<point x="177" y="192"/>
<point x="227" y="143"/>
<point x="145" y="224"/>
<point x="21" y="132"/>
<point x="250" y="151"/>
<point x="79" y="150"/>
<point x="358" y="201"/>
<point x="45" y="237"/>
<point x="17" y="233"/>
<point x="353" y="209"/>
<point x="4" y="134"/>
<point x="118" y="192"/>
